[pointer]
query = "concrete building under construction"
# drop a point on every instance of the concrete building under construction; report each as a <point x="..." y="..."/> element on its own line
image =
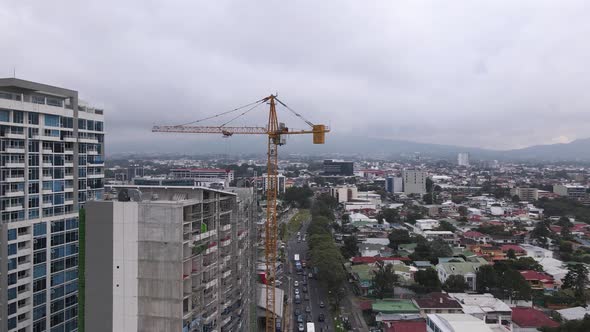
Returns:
<point x="170" y="259"/>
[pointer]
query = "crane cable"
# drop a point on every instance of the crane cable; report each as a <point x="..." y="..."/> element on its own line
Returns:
<point x="260" y="102"/>
<point x="293" y="111"/>
<point x="224" y="113"/>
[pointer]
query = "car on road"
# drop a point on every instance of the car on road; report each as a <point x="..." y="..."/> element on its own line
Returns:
<point x="307" y="309"/>
<point x="304" y="289"/>
<point x="306" y="297"/>
<point x="310" y="275"/>
<point x="296" y="291"/>
<point x="297" y="311"/>
<point x="299" y="318"/>
<point x="296" y="283"/>
<point x="321" y="318"/>
<point x="322" y="304"/>
<point x="297" y="299"/>
<point x="304" y="282"/>
<point x="300" y="327"/>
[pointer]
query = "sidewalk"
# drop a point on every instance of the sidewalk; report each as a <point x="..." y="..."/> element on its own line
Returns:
<point x="351" y="309"/>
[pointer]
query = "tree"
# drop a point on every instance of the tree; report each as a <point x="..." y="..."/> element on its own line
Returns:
<point x="582" y="325"/>
<point x="428" y="199"/>
<point x="446" y="226"/>
<point x="440" y="248"/>
<point x="515" y="199"/>
<point x="389" y="215"/>
<point x="487" y="278"/>
<point x="566" y="232"/>
<point x="384" y="280"/>
<point x="576" y="279"/>
<point x="541" y="232"/>
<point x="298" y="196"/>
<point x="564" y="221"/>
<point x="463" y="211"/>
<point x="511" y="254"/>
<point x="514" y="285"/>
<point x="397" y="237"/>
<point x="350" y="248"/>
<point x="455" y="284"/>
<point x="428" y="279"/>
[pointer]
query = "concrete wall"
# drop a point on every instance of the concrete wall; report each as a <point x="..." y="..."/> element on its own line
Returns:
<point x="99" y="266"/>
<point x="160" y="267"/>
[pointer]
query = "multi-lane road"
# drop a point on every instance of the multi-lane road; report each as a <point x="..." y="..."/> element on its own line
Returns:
<point x="309" y="300"/>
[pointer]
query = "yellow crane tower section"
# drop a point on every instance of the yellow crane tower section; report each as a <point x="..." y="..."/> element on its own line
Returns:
<point x="276" y="133"/>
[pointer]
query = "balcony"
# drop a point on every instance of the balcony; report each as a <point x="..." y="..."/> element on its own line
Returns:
<point x="13" y="208"/>
<point x="47" y="177"/>
<point x="203" y="236"/>
<point x="50" y="138"/>
<point x="225" y="228"/>
<point x="15" y="165"/>
<point x="69" y="139"/>
<point x="15" y="179"/>
<point x="226" y="274"/>
<point x="68" y="151"/>
<point x="87" y="140"/>
<point x="92" y="152"/>
<point x="67" y="164"/>
<point x="46" y="191"/>
<point x="15" y="193"/>
<point x="47" y="151"/>
<point x="47" y="164"/>
<point x="95" y="176"/>
<point x="14" y="135"/>
<point x="211" y="249"/>
<point x="15" y="150"/>
<point x="47" y="205"/>
<point x="211" y="283"/>
<point x="225" y="242"/>
<point x="69" y="177"/>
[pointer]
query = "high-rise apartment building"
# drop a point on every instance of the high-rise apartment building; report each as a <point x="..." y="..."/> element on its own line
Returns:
<point x="414" y="181"/>
<point x="266" y="181"/>
<point x="394" y="184"/>
<point x="170" y="259"/>
<point x="573" y="191"/>
<point x="51" y="153"/>
<point x="463" y="159"/>
<point x="525" y="194"/>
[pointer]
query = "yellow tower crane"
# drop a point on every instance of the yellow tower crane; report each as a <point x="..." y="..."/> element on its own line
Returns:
<point x="276" y="133"/>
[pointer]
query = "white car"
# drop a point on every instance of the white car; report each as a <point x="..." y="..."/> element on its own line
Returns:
<point x="296" y="291"/>
<point x="296" y="283"/>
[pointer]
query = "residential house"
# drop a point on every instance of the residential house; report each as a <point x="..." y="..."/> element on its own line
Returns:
<point x="404" y="326"/>
<point x="485" y="307"/>
<point x="574" y="313"/>
<point x="539" y="280"/>
<point x="530" y="320"/>
<point x="440" y="303"/>
<point x="477" y="236"/>
<point x="459" y="323"/>
<point x="466" y="269"/>
<point x="394" y="307"/>
<point x="447" y="236"/>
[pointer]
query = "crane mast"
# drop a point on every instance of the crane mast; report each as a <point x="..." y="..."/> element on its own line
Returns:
<point x="274" y="132"/>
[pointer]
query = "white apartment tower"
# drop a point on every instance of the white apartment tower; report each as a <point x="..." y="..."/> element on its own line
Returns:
<point x="414" y="181"/>
<point x="52" y="160"/>
<point x="463" y="159"/>
<point x="170" y="259"/>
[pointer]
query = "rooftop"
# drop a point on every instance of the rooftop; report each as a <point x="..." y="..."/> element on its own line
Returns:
<point x="460" y="322"/>
<point x="531" y="317"/>
<point x="394" y="306"/>
<point x="460" y="268"/>
<point x="480" y="303"/>
<point x="437" y="301"/>
<point x="403" y="326"/>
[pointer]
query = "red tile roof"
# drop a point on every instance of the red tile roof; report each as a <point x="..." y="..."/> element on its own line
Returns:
<point x="516" y="248"/>
<point x="368" y="259"/>
<point x="437" y="301"/>
<point x="407" y="326"/>
<point x="530" y="317"/>
<point x="473" y="234"/>
<point x="534" y="275"/>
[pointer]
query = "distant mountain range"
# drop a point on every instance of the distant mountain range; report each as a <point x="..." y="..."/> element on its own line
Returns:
<point x="346" y="145"/>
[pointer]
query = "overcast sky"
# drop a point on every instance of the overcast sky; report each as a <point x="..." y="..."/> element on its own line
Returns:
<point x="494" y="74"/>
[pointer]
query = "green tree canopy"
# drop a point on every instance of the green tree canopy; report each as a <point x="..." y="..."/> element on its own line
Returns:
<point x="350" y="247"/>
<point x="455" y="284"/>
<point x="576" y="279"/>
<point x="397" y="237"/>
<point x="384" y="280"/>
<point x="428" y="279"/>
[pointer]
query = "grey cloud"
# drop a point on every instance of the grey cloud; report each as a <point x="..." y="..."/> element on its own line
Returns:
<point x="496" y="74"/>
